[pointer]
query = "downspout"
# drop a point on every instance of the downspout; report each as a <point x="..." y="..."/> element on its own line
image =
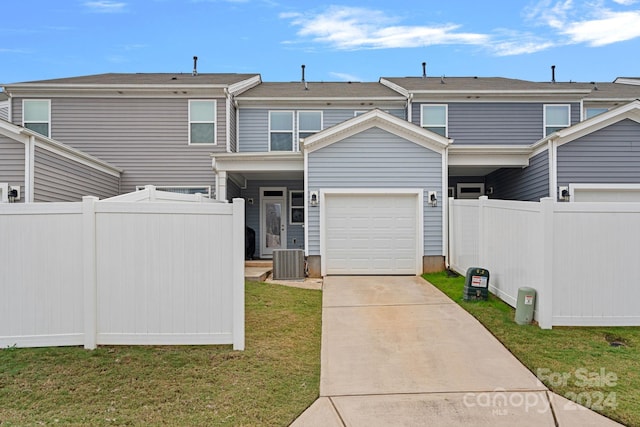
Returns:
<point x="553" y="170"/>
<point x="29" y="153"/>
<point x="227" y="97"/>
<point x="445" y="205"/>
<point x="409" y="107"/>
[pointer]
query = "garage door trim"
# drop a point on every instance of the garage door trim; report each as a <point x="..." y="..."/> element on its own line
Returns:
<point x="417" y="192"/>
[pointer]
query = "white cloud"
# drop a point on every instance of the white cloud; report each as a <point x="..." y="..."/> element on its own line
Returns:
<point x="353" y="28"/>
<point x="105" y="6"/>
<point x="613" y="27"/>
<point x="345" y="77"/>
<point x="593" y="23"/>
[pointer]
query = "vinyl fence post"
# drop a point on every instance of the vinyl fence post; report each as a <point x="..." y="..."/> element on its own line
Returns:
<point x="545" y="291"/>
<point x="238" y="273"/>
<point x="483" y="246"/>
<point x="89" y="271"/>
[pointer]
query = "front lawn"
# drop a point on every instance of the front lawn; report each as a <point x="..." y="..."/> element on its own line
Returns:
<point x="269" y="384"/>
<point x="576" y="362"/>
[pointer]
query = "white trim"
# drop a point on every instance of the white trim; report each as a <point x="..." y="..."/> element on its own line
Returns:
<point x="602" y="187"/>
<point x="284" y="221"/>
<point x="293" y="131"/>
<point x="306" y="202"/>
<point x="215" y="122"/>
<point x="553" y="170"/>
<point x="446" y="118"/>
<point x="544" y="117"/>
<point x="291" y="207"/>
<point x="4" y="192"/>
<point x="168" y="188"/>
<point x="465" y="185"/>
<point x="380" y="119"/>
<point x="48" y="101"/>
<point x="228" y="105"/>
<point x="29" y="172"/>
<point x="444" y="202"/>
<point x="275" y="161"/>
<point x="418" y="192"/>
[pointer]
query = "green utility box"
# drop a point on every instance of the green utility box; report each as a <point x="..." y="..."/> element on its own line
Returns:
<point x="476" y="284"/>
<point x="525" y="304"/>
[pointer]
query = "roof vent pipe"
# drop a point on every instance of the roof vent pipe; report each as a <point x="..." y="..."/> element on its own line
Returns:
<point x="195" y="66"/>
<point x="424" y="70"/>
<point x="553" y="74"/>
<point x="303" y="67"/>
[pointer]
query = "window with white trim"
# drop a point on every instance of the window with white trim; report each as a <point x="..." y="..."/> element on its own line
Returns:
<point x="280" y="130"/>
<point x="309" y="122"/>
<point x="433" y="117"/>
<point x="296" y="207"/>
<point x="556" y="117"/>
<point x="205" y="190"/>
<point x="202" y="121"/>
<point x="592" y="112"/>
<point x="36" y="115"/>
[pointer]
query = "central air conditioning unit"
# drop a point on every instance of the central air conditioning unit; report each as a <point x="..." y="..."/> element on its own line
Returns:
<point x="288" y="264"/>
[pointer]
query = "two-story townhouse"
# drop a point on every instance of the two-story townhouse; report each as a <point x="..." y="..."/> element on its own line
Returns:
<point x="157" y="129"/>
<point x="336" y="168"/>
<point x="510" y="137"/>
<point x="355" y="173"/>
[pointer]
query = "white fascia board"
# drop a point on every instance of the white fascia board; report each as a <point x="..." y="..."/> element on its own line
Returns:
<point x="393" y="86"/>
<point x="237" y="88"/>
<point x="382" y="120"/>
<point x="257" y="162"/>
<point x="12" y="131"/>
<point x="72" y="153"/>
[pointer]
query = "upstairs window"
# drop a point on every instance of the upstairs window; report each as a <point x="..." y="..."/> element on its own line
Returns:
<point x="280" y="130"/>
<point x="202" y="122"/>
<point x="434" y="118"/>
<point x="36" y="115"/>
<point x="592" y="112"/>
<point x="556" y="117"/>
<point x="309" y="122"/>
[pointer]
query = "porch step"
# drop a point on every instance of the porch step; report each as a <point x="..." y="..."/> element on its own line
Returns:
<point x="257" y="270"/>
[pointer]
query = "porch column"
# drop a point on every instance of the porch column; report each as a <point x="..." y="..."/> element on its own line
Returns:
<point x="221" y="185"/>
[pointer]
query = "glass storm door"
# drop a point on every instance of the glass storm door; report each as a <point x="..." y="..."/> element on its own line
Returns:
<point x="273" y="221"/>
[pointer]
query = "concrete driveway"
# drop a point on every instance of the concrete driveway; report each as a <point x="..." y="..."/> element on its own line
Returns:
<point x="398" y="352"/>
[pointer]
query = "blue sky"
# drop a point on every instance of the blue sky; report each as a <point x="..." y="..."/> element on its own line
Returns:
<point x="595" y="40"/>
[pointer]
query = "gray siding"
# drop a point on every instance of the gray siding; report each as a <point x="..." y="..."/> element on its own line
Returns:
<point x="254" y="124"/>
<point x="610" y="155"/>
<point x="4" y="110"/>
<point x="12" y="163"/>
<point x="253" y="211"/>
<point x="495" y="123"/>
<point x="148" y="138"/>
<point x="378" y="159"/>
<point x="59" y="179"/>
<point x="529" y="184"/>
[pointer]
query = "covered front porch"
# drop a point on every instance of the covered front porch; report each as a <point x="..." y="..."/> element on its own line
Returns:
<point x="272" y="184"/>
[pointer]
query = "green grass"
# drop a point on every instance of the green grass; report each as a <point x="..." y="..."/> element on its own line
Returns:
<point x="584" y="356"/>
<point x="269" y="384"/>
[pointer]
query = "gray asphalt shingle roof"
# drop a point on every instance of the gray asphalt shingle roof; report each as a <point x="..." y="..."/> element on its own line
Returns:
<point x="149" y="79"/>
<point x="320" y="90"/>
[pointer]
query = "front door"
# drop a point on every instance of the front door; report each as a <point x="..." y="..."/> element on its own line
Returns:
<point x="273" y="220"/>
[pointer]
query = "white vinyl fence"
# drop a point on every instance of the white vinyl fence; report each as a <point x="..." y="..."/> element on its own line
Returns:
<point x="580" y="257"/>
<point x="121" y="272"/>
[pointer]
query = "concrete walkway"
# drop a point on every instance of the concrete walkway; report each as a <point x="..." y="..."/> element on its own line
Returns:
<point x="398" y="352"/>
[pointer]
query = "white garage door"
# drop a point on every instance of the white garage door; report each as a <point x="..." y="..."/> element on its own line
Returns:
<point x="371" y="234"/>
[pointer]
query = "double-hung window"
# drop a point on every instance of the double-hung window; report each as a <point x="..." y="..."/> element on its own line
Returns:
<point x="433" y="117"/>
<point x="36" y="115"/>
<point x="202" y="122"/>
<point x="556" y="117"/>
<point x="280" y="130"/>
<point x="309" y="122"/>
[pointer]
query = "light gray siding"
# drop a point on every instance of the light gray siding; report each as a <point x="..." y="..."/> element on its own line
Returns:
<point x="529" y="184"/>
<point x="4" y="110"/>
<point x="148" y="138"/>
<point x="252" y="211"/>
<point x="59" y="179"/>
<point x="495" y="123"/>
<point x="254" y="124"/>
<point x="378" y="159"/>
<point x="12" y="162"/>
<point x="610" y="155"/>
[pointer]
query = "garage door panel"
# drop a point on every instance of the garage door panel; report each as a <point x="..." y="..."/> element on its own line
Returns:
<point x="371" y="233"/>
